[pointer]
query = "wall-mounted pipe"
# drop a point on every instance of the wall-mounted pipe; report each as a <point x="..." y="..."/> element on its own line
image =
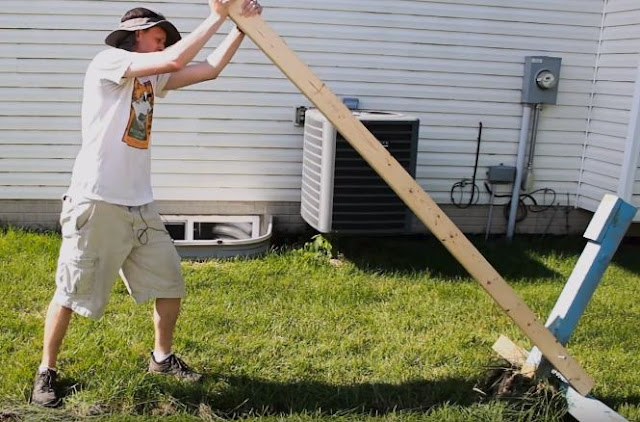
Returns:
<point x="527" y="177"/>
<point x="522" y="147"/>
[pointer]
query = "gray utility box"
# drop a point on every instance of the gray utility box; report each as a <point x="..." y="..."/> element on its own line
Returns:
<point x="541" y="78"/>
<point x="501" y="174"/>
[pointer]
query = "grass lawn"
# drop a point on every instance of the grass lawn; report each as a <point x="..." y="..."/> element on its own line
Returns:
<point x="393" y="330"/>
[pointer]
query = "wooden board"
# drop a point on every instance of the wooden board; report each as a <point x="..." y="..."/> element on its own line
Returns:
<point x="411" y="193"/>
<point x="510" y="351"/>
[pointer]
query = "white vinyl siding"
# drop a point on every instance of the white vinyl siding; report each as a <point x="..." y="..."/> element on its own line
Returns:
<point x="452" y="63"/>
<point x="614" y="85"/>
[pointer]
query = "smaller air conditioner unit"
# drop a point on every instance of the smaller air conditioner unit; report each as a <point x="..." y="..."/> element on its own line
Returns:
<point x="340" y="191"/>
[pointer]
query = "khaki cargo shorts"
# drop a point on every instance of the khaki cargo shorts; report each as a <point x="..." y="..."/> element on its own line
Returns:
<point x="101" y="239"/>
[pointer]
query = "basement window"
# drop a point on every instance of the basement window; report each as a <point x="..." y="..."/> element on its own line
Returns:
<point x="212" y="227"/>
<point x="208" y="236"/>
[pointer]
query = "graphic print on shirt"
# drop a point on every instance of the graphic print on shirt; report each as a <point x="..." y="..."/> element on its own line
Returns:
<point x="138" y="131"/>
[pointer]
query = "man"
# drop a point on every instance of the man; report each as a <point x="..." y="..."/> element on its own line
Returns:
<point x="109" y="221"/>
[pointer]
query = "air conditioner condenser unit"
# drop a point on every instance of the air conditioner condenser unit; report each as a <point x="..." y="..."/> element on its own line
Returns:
<point x="340" y="191"/>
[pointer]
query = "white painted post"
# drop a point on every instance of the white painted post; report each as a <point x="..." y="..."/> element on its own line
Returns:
<point x="588" y="409"/>
<point x="605" y="232"/>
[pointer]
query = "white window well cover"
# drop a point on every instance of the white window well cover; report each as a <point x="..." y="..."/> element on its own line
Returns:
<point x="202" y="236"/>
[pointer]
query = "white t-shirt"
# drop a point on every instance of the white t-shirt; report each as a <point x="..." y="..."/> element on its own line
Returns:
<point x="114" y="162"/>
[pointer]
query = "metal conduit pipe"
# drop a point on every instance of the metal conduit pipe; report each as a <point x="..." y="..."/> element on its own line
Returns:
<point x="527" y="181"/>
<point x="522" y="147"/>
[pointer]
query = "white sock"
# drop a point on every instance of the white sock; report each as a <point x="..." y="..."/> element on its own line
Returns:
<point x="43" y="368"/>
<point x="159" y="357"/>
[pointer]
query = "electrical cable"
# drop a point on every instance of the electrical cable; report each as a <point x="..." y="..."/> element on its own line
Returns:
<point x="526" y="201"/>
<point x="475" y="190"/>
<point x="141" y="234"/>
<point x="523" y="207"/>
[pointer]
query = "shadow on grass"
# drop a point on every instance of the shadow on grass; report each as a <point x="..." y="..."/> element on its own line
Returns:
<point x="237" y="396"/>
<point x="66" y="387"/>
<point x="616" y="402"/>
<point x="627" y="254"/>
<point x="407" y="254"/>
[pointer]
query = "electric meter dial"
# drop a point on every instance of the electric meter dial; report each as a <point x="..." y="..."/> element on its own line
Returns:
<point x="546" y="79"/>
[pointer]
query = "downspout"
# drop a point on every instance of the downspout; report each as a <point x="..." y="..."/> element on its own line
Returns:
<point x="632" y="147"/>
<point x="592" y="95"/>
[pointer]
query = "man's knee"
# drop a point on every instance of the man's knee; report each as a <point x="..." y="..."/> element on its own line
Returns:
<point x="59" y="309"/>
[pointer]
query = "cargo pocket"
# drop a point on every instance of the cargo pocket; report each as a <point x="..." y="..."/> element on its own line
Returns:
<point x="76" y="276"/>
<point x="75" y="216"/>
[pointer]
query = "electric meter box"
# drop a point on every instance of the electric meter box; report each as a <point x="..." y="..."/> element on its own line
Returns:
<point x="541" y="77"/>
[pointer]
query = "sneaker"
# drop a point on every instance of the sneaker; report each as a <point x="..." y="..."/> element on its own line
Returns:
<point x="175" y="366"/>
<point x="44" y="389"/>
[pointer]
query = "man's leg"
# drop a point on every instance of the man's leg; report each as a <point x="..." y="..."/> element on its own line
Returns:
<point x="55" y="328"/>
<point x="152" y="270"/>
<point x="90" y="229"/>
<point x="165" y="316"/>
<point x="163" y="361"/>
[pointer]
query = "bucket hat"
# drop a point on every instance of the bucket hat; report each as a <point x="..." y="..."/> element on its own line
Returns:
<point x="140" y="23"/>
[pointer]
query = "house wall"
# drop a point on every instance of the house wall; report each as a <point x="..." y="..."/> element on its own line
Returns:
<point x="452" y="63"/>
<point x="611" y="104"/>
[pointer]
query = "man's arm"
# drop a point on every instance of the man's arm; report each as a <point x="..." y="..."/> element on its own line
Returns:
<point x="178" y="55"/>
<point x="209" y="69"/>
